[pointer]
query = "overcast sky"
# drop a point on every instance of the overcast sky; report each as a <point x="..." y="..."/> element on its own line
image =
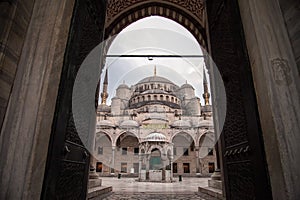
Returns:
<point x="154" y="35"/>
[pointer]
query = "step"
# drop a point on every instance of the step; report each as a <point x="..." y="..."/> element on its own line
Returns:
<point x="98" y="192"/>
<point x="95" y="183"/>
<point x="215" y="184"/>
<point x="211" y="192"/>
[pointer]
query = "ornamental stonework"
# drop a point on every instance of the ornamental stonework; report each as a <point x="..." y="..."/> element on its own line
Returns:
<point x="115" y="7"/>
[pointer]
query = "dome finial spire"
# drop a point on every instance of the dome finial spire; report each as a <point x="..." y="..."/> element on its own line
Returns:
<point x="154" y="70"/>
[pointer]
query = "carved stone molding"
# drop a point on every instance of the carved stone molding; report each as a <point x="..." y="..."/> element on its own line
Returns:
<point x="115" y="7"/>
<point x="281" y="71"/>
<point x="189" y="14"/>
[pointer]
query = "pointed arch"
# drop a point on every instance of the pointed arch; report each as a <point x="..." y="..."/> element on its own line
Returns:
<point x="183" y="14"/>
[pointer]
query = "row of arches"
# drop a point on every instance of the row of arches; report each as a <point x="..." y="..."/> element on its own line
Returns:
<point x="154" y="97"/>
<point x="178" y="139"/>
<point x="154" y="86"/>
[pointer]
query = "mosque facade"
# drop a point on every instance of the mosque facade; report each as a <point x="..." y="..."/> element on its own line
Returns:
<point x="155" y="130"/>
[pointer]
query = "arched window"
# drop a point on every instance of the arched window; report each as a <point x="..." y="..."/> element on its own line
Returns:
<point x="161" y="97"/>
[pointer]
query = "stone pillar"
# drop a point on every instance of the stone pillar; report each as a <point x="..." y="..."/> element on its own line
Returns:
<point x="147" y="165"/>
<point x="277" y="85"/>
<point x="140" y="165"/>
<point x="171" y="167"/>
<point x="26" y="129"/>
<point x="113" y="160"/>
<point x="197" y="160"/>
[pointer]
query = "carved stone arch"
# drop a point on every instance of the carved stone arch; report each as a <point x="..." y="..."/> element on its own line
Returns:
<point x="106" y="133"/>
<point x="202" y="135"/>
<point x="126" y="132"/>
<point x="156" y="146"/>
<point x="183" y="132"/>
<point x="119" y="17"/>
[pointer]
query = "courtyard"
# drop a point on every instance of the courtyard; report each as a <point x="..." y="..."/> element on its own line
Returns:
<point x="129" y="188"/>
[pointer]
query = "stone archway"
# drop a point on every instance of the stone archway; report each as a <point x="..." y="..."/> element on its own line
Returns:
<point x="189" y="14"/>
<point x="134" y="10"/>
<point x="37" y="82"/>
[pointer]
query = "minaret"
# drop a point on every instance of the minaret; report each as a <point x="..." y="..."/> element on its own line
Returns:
<point x="206" y="94"/>
<point x="104" y="94"/>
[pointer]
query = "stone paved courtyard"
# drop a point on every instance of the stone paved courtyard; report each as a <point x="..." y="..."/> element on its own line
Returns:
<point x="142" y="196"/>
<point x="128" y="188"/>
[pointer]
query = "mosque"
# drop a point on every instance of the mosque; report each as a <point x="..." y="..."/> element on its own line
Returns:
<point x="155" y="130"/>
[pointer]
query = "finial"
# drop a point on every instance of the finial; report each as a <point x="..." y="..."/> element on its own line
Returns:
<point x="154" y="70"/>
<point x="185" y="81"/>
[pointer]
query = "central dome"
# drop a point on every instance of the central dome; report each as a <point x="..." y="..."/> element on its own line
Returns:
<point x="155" y="79"/>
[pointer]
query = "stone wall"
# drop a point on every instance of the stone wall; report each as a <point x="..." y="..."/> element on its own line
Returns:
<point x="276" y="80"/>
<point x="291" y="14"/>
<point x="14" y="20"/>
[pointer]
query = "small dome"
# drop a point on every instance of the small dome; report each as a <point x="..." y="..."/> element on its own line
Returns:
<point x="186" y="85"/>
<point x="156" y="137"/>
<point x="129" y="124"/>
<point x="105" y="123"/>
<point x="123" y="85"/>
<point x="205" y="123"/>
<point x="103" y="108"/>
<point x="181" y="124"/>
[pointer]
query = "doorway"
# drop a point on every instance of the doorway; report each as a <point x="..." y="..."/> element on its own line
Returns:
<point x="224" y="19"/>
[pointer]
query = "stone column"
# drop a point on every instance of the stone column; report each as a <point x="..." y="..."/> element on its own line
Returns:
<point x="197" y="160"/>
<point x="147" y="165"/>
<point x="277" y="85"/>
<point x="113" y="160"/>
<point x="171" y="163"/>
<point x="140" y="165"/>
<point x="26" y="129"/>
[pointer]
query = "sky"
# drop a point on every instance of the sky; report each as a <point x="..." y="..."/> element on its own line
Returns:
<point x="154" y="35"/>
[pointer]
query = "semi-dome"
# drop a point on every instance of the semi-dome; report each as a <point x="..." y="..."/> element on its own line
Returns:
<point x="181" y="124"/>
<point x="129" y="124"/>
<point x="156" y="137"/>
<point x="156" y="79"/>
<point x="105" y="123"/>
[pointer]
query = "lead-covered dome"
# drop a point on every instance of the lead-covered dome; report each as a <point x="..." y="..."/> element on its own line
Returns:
<point x="156" y="137"/>
<point x="181" y="124"/>
<point x="186" y="85"/>
<point x="155" y="79"/>
<point x="205" y="124"/>
<point x="129" y="124"/>
<point x="104" y="124"/>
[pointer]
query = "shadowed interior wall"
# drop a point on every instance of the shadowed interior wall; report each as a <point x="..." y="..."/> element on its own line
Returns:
<point x="14" y="19"/>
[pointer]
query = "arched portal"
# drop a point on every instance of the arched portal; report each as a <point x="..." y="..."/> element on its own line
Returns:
<point x="103" y="153"/>
<point x="155" y="162"/>
<point x="241" y="130"/>
<point x="190" y="14"/>
<point x="126" y="153"/>
<point x="184" y="154"/>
